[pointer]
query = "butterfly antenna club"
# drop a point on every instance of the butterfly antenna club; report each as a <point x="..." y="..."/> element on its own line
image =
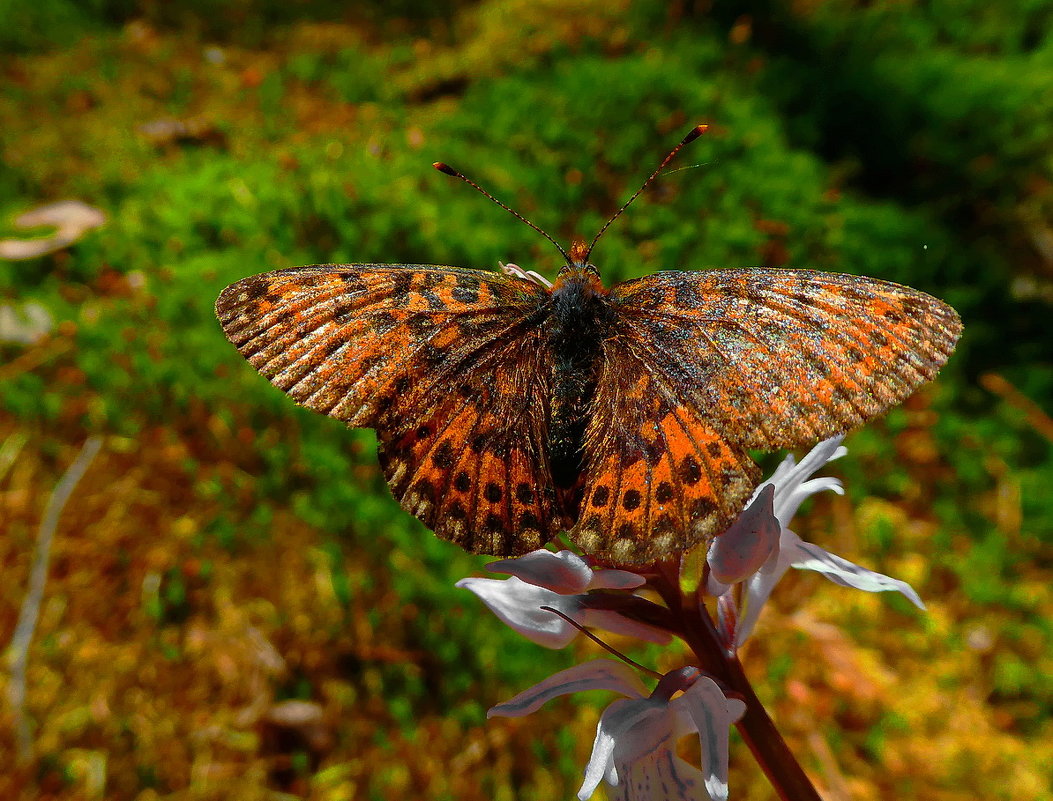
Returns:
<point x="448" y="170"/>
<point x="695" y="132"/>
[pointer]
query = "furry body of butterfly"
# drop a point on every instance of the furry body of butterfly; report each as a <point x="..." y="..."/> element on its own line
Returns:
<point x="507" y="411"/>
<point x="580" y="319"/>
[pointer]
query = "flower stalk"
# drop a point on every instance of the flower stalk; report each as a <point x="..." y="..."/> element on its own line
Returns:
<point x="756" y="727"/>
<point x="551" y="598"/>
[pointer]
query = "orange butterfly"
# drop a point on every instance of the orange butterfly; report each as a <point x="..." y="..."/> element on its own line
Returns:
<point x="508" y="410"/>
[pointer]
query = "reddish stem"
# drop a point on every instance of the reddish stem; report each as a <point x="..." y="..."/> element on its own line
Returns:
<point x="756" y="727"/>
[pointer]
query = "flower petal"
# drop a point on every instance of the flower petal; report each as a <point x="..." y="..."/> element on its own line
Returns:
<point x="795" y="552"/>
<point x="808" y="556"/>
<point x="600" y="765"/>
<point x="792" y="486"/>
<point x="564" y="572"/>
<point x="757" y="588"/>
<point x="611" y="579"/>
<point x="746" y="545"/>
<point x="712" y="714"/>
<point x="518" y="604"/>
<point x="599" y="674"/>
<point x="629" y="730"/>
<point x="787" y="503"/>
<point x="661" y="776"/>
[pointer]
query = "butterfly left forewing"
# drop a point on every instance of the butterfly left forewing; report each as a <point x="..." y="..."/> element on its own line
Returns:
<point x="442" y="362"/>
<point x="347" y="340"/>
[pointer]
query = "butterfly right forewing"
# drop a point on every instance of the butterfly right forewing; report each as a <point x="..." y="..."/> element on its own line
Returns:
<point x="781" y="358"/>
<point x="699" y="367"/>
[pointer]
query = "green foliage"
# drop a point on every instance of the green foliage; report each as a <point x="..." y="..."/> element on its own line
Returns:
<point x="905" y="142"/>
<point x="50" y="23"/>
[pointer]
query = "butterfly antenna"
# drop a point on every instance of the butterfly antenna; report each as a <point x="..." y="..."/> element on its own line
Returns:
<point x="696" y="132"/>
<point x="448" y="170"/>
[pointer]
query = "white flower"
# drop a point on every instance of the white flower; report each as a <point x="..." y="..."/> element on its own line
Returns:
<point x="635" y="746"/>
<point x="770" y="508"/>
<point x="561" y="581"/>
<point x="747" y="544"/>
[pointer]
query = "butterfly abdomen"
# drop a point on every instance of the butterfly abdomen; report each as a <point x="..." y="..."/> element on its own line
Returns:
<point x="579" y="321"/>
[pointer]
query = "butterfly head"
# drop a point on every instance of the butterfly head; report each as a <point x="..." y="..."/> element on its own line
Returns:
<point x="578" y="256"/>
<point x="578" y="259"/>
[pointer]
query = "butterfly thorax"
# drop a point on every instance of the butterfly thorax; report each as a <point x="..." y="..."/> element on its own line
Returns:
<point x="579" y="320"/>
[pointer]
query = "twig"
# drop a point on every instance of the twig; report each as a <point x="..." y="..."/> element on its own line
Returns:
<point x="614" y="652"/>
<point x="18" y="650"/>
<point x="9" y="451"/>
<point x="34" y="357"/>
<point x="1033" y="413"/>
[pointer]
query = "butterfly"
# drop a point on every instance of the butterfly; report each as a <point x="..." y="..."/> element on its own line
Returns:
<point x="508" y="410"/>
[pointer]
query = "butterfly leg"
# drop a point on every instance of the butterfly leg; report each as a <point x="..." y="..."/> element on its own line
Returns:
<point x="516" y="271"/>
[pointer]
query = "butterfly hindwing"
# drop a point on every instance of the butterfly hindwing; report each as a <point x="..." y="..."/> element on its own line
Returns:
<point x="659" y="478"/>
<point x="474" y="467"/>
<point x="781" y="358"/>
<point x="441" y="361"/>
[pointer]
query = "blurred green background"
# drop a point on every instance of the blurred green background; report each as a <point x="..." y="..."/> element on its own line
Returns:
<point x="228" y="554"/>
